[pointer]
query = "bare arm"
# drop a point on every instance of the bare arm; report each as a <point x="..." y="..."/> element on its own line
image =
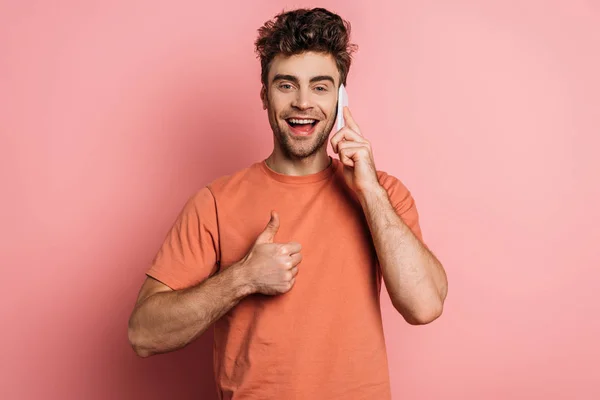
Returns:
<point x="415" y="279"/>
<point x="164" y="320"/>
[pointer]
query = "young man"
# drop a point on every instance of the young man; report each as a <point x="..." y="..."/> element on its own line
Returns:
<point x="295" y="304"/>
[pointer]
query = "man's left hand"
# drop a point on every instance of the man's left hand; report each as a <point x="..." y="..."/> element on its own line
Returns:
<point x="356" y="156"/>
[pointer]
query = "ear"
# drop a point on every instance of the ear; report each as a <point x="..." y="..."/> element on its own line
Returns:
<point x="263" y="97"/>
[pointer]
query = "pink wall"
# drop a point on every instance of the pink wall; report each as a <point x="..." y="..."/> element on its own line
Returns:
<point x="112" y="113"/>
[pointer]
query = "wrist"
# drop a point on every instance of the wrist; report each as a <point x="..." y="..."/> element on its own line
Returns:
<point x="368" y="194"/>
<point x="242" y="282"/>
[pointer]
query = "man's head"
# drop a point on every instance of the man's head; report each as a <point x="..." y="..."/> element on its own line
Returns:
<point x="305" y="55"/>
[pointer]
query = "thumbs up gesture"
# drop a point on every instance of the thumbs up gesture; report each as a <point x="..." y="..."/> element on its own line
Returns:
<point x="271" y="267"/>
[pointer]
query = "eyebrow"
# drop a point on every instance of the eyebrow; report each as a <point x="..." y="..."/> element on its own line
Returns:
<point x="292" y="78"/>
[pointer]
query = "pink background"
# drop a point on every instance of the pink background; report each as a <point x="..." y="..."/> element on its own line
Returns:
<point x="113" y="113"/>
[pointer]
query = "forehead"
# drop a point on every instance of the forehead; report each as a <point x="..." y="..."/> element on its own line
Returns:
<point x="304" y="66"/>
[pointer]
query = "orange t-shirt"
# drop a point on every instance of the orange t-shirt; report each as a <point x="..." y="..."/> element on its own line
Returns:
<point x="324" y="338"/>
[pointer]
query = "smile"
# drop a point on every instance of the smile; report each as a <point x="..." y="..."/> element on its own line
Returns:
<point x="302" y="127"/>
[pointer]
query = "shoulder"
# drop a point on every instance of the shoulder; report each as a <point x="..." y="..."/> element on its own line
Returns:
<point x="205" y="196"/>
<point x="402" y="201"/>
<point x="224" y="189"/>
<point x="394" y="186"/>
<point x="235" y="181"/>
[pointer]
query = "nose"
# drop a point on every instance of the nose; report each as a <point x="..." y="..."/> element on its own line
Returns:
<point x="302" y="100"/>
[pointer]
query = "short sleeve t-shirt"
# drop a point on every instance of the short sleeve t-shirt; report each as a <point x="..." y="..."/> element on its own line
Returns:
<point x="324" y="338"/>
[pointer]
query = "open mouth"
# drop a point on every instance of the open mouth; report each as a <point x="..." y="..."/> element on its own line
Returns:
<point x="302" y="127"/>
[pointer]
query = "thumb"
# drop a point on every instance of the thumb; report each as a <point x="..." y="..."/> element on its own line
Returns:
<point x="268" y="235"/>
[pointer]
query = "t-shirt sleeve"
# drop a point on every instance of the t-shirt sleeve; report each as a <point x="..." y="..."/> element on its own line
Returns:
<point x="189" y="253"/>
<point x="403" y="202"/>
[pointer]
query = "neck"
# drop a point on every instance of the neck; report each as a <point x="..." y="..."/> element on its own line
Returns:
<point x="299" y="166"/>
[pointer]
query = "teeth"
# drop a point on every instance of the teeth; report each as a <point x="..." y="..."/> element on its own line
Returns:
<point x="302" y="121"/>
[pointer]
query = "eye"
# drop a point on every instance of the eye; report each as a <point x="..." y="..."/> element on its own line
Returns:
<point x="285" y="86"/>
<point x="321" y="89"/>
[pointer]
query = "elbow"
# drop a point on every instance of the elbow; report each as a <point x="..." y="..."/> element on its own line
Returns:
<point x="424" y="315"/>
<point x="136" y="341"/>
<point x="141" y="352"/>
<point x="430" y="309"/>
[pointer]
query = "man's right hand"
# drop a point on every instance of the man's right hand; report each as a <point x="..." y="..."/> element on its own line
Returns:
<point x="271" y="268"/>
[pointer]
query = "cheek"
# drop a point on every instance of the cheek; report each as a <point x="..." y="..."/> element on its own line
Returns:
<point x="277" y="106"/>
<point x="330" y="110"/>
<point x="330" y="105"/>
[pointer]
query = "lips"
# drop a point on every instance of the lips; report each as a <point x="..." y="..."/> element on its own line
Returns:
<point x="301" y="129"/>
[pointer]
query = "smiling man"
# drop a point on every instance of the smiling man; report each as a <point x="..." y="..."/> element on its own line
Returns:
<point x="286" y="258"/>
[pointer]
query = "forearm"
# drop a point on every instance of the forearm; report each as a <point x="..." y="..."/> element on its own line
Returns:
<point x="170" y="320"/>
<point x="414" y="278"/>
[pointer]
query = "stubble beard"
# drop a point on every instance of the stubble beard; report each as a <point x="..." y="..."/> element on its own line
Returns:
<point x="299" y="147"/>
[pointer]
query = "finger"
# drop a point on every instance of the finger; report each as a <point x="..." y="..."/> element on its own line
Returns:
<point x="346" y="159"/>
<point x="350" y="122"/>
<point x="296" y="259"/>
<point x="292" y="248"/>
<point x="294" y="271"/>
<point x="349" y="154"/>
<point x="348" y="144"/>
<point x="345" y="134"/>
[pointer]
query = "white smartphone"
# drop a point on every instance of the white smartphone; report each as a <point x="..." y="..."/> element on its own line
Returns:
<point x="342" y="102"/>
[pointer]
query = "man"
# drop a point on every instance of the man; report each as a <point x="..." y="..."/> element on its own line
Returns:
<point x="295" y="305"/>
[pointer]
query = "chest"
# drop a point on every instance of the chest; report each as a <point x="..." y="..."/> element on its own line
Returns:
<point x="330" y="226"/>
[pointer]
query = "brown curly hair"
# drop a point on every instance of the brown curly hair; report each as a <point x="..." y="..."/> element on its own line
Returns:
<point x="295" y="32"/>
